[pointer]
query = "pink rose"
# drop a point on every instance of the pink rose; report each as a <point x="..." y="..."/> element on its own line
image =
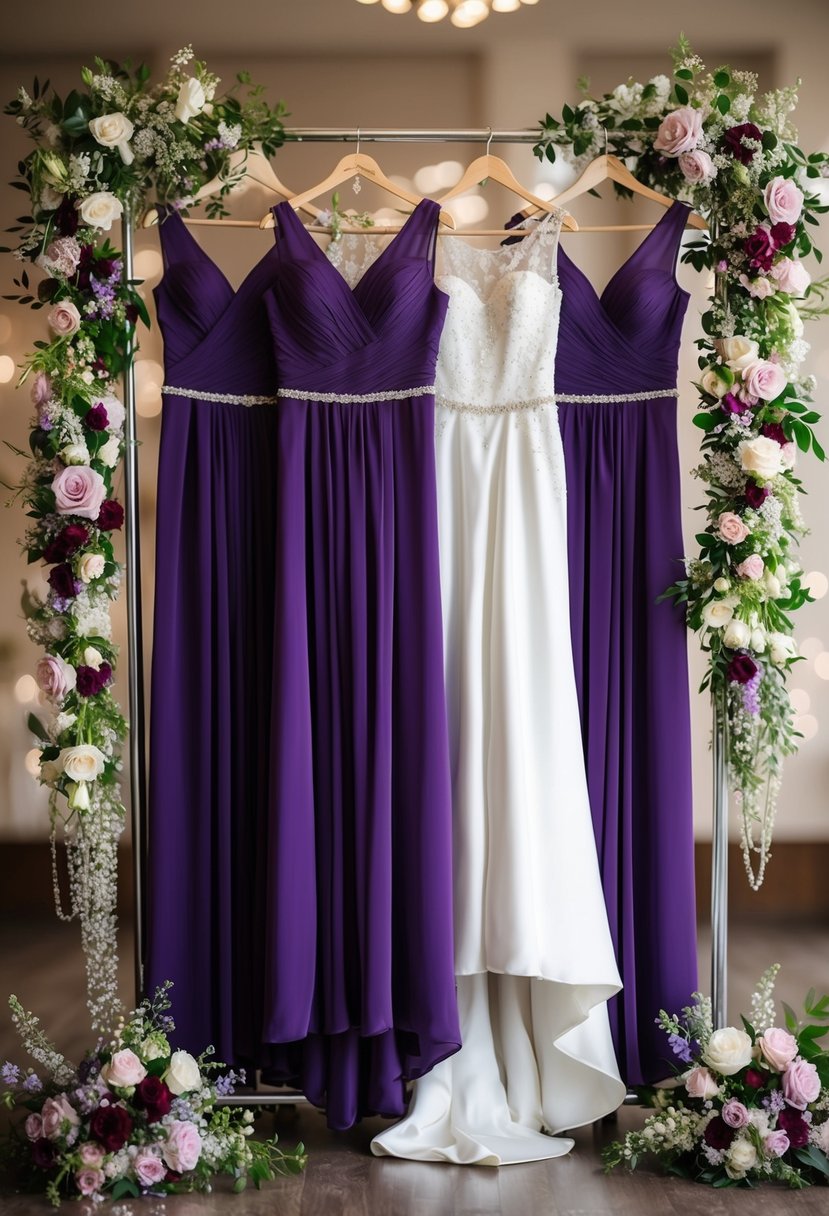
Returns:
<point x="776" y="1143"/>
<point x="679" y="131"/>
<point x="124" y="1070"/>
<point x="764" y="379"/>
<point x="182" y="1147"/>
<point x="55" y="1113"/>
<point x="801" y="1084"/>
<point x="149" y="1169"/>
<point x="41" y="389"/>
<point x="90" y="1153"/>
<point x="734" y="1113"/>
<point x="54" y="677"/>
<point x="79" y="490"/>
<point x="697" y="166"/>
<point x="88" y="1181"/>
<point x="700" y="1084"/>
<point x="788" y="455"/>
<point x="758" y="289"/>
<point x="791" y="276"/>
<point x="778" y="1048"/>
<point x="64" y="318"/>
<point x="61" y="256"/>
<point x="731" y="528"/>
<point x="34" y="1127"/>
<point x="784" y="201"/>
<point x="752" y="567"/>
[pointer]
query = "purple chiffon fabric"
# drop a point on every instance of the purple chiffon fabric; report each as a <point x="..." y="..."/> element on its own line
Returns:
<point x="213" y="626"/>
<point x="624" y="542"/>
<point x="360" y="985"/>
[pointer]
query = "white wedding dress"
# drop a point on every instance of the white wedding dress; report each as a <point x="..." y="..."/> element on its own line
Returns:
<point x="533" y="953"/>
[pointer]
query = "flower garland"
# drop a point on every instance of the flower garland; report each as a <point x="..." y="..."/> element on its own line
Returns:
<point x="708" y="139"/>
<point x="134" y="1118"/>
<point x="751" y="1106"/>
<point x="98" y="153"/>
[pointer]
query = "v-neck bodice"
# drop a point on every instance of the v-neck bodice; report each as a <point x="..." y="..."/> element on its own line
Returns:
<point x="381" y="336"/>
<point x="625" y="339"/>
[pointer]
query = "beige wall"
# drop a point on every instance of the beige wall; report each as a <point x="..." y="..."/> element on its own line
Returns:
<point x="501" y="75"/>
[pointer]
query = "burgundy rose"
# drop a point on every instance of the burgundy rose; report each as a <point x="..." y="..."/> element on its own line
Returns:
<point x="63" y="581"/>
<point x="67" y="542"/>
<point x="89" y="682"/>
<point x="44" y="1153"/>
<point x="729" y="404"/>
<point x="782" y="234"/>
<point x="86" y="264"/>
<point x="773" y="430"/>
<point x="172" y="1176"/>
<point x="741" y="669"/>
<point x="754" y="1079"/>
<point x="111" y="1126"/>
<point x="131" y="313"/>
<point x="734" y="141"/>
<point x="110" y="516"/>
<point x="105" y="267"/>
<point x="153" y="1095"/>
<point x="66" y="217"/>
<point x="97" y="418"/>
<point x="718" y="1134"/>
<point x="756" y="495"/>
<point x="795" y="1127"/>
<point x="760" y="249"/>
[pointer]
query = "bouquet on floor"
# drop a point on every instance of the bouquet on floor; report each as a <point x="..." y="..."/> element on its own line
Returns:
<point x="750" y="1106"/>
<point x="134" y="1118"/>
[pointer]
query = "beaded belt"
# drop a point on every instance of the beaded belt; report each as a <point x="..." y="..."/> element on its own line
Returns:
<point x="199" y="394"/>
<point x="509" y="407"/>
<point x="300" y="394"/>
<point x="650" y="394"/>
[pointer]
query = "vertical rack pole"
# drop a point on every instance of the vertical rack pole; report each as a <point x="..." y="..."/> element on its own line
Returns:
<point x="719" y="872"/>
<point x="135" y="631"/>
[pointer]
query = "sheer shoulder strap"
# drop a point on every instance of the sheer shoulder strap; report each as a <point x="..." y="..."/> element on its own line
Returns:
<point x="418" y="236"/>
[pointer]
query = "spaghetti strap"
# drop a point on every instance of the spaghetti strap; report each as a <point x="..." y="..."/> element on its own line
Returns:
<point x="177" y="242"/>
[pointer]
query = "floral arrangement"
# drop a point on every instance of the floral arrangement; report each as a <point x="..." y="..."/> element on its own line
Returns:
<point x="751" y="1105"/>
<point x="99" y="154"/>
<point x="134" y="1117"/>
<point x="708" y="138"/>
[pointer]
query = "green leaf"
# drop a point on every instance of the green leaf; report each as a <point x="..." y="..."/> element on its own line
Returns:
<point x="239" y="1185"/>
<point x="37" y="728"/>
<point x="812" y="1156"/>
<point x="706" y="421"/>
<point x="791" y="1017"/>
<point x="681" y="94"/>
<point x="723" y="103"/>
<point x="123" y="1187"/>
<point x="749" y="1029"/>
<point x="817" y="449"/>
<point x="802" y="435"/>
<point x="722" y="78"/>
<point x="685" y="74"/>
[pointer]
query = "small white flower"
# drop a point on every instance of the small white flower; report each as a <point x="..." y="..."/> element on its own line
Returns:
<point x="190" y="101"/>
<point x="110" y="453"/>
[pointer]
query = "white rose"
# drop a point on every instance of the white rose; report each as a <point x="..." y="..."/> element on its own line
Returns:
<point x="758" y="639"/>
<point x="82" y="763"/>
<point x="92" y="657"/>
<point x="100" y="210"/>
<point x="717" y="613"/>
<point x="760" y="456"/>
<point x="741" y="1157"/>
<point x="781" y="648"/>
<point x="74" y="453"/>
<point x="728" y="1050"/>
<point x="155" y="1049"/>
<point x="114" y="131"/>
<point x="183" y="1074"/>
<point x="737" y="352"/>
<point x="190" y="101"/>
<point x="91" y="566"/>
<point x="116" y="414"/>
<point x="721" y="584"/>
<point x="737" y="635"/>
<point x="715" y="382"/>
<point x="795" y="319"/>
<point x="110" y="453"/>
<point x="773" y="585"/>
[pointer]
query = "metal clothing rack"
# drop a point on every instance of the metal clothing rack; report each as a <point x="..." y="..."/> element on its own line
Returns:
<point x="135" y="632"/>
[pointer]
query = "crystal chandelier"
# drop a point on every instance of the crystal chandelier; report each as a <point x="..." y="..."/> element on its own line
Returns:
<point x="462" y="13"/>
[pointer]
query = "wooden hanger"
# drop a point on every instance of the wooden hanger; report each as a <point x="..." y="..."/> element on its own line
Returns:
<point x="609" y="168"/>
<point x="357" y="164"/>
<point x="250" y="163"/>
<point x="493" y="168"/>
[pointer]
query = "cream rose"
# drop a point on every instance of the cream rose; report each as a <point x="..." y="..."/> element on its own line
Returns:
<point x="784" y="201"/>
<point x="773" y="584"/>
<point x="758" y="639"/>
<point x="731" y="528"/>
<point x="183" y="1074"/>
<point x="64" y="319"/>
<point x="760" y="456"/>
<point x="114" y="131"/>
<point x="737" y="352"/>
<point x="91" y="566"/>
<point x="716" y="381"/>
<point x="700" y="1084"/>
<point x="124" y="1070"/>
<point x="778" y="1048"/>
<point x="82" y="763"/>
<point x="721" y="584"/>
<point x="92" y="657"/>
<point x="791" y="276"/>
<point x="100" y="210"/>
<point x="110" y="453"/>
<point x="75" y="453"/>
<point x="740" y="1158"/>
<point x="679" y="131"/>
<point x="737" y="635"/>
<point x="782" y="647"/>
<point x="728" y="1050"/>
<point x="764" y="379"/>
<point x="191" y="100"/>
<point x="717" y="613"/>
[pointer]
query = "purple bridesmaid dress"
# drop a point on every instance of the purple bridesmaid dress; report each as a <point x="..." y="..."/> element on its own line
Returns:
<point x="359" y="963"/>
<point x="212" y="646"/>
<point x="624" y="542"/>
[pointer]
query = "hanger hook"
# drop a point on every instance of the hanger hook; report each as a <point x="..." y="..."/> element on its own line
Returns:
<point x="605" y="139"/>
<point x="358" y="141"/>
<point x="489" y="141"/>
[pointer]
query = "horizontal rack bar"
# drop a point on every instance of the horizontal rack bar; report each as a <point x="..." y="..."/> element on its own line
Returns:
<point x="402" y="135"/>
